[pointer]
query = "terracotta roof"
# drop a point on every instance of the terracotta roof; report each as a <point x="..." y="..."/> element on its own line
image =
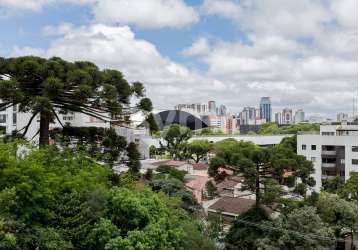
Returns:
<point x="227" y="184"/>
<point x="170" y="163"/>
<point x="232" y="205"/>
<point x="198" y="183"/>
<point x="200" y="166"/>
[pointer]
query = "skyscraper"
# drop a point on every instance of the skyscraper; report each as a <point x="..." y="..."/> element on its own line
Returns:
<point x="265" y="109"/>
<point x="299" y="116"/>
<point x="278" y="118"/>
<point x="287" y="116"/>
<point x="212" y="107"/>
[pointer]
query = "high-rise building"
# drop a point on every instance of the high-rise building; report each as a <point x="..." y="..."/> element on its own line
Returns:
<point x="248" y="116"/>
<point x="222" y="110"/>
<point x="342" y="117"/>
<point x="278" y="118"/>
<point x="212" y="107"/>
<point x="265" y="109"/>
<point x="197" y="109"/>
<point x="287" y="116"/>
<point x="299" y="116"/>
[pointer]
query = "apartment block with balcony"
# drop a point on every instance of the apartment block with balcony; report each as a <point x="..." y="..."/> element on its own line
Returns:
<point x="333" y="151"/>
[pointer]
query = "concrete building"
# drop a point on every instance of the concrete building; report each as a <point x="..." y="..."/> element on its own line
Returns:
<point x="71" y="118"/>
<point x="8" y="119"/>
<point x="196" y="109"/>
<point x="333" y="151"/>
<point x="278" y="118"/>
<point x="248" y="116"/>
<point x="342" y="117"/>
<point x="212" y="107"/>
<point x="287" y="116"/>
<point x="299" y="116"/>
<point x="265" y="109"/>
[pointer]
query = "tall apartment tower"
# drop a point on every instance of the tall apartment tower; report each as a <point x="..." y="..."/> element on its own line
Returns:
<point x="287" y="116"/>
<point x="265" y="109"/>
<point x="212" y="107"/>
<point x="278" y="118"/>
<point x="299" y="116"/>
<point x="342" y="117"/>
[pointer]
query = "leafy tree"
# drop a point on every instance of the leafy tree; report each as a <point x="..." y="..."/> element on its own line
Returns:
<point x="198" y="149"/>
<point x="176" y="188"/>
<point x="176" y="138"/>
<point x="274" y="128"/>
<point x="214" y="165"/>
<point x="134" y="158"/>
<point x="342" y="215"/>
<point x="333" y="185"/>
<point x="100" y="143"/>
<point x="152" y="124"/>
<point x="211" y="189"/>
<point x="152" y="151"/>
<point x="301" y="229"/>
<point x="246" y="230"/>
<point x="54" y="199"/>
<point x="171" y="172"/>
<point x="350" y="188"/>
<point x="45" y="87"/>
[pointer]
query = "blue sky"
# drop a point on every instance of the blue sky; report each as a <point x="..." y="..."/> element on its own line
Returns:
<point x="301" y="53"/>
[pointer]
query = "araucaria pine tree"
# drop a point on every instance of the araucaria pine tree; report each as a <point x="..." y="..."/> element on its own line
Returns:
<point x="46" y="86"/>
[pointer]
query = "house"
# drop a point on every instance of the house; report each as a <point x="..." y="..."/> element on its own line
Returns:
<point x="196" y="184"/>
<point x="230" y="208"/>
<point x="200" y="169"/>
<point x="231" y="187"/>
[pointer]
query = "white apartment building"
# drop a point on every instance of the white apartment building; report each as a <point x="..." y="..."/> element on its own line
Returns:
<point x="8" y="119"/>
<point x="299" y="116"/>
<point x="333" y="151"/>
<point x="71" y="118"/>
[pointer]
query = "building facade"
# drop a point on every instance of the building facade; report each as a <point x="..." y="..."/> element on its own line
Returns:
<point x="299" y="116"/>
<point x="265" y="109"/>
<point x="287" y="116"/>
<point x="333" y="151"/>
<point x="278" y="118"/>
<point x="8" y="119"/>
<point x="341" y="117"/>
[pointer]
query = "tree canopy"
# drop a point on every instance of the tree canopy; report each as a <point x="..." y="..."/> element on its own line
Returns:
<point x="54" y="199"/>
<point x="45" y="87"/>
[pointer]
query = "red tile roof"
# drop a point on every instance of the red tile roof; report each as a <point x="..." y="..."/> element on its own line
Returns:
<point x="200" y="166"/>
<point x="232" y="205"/>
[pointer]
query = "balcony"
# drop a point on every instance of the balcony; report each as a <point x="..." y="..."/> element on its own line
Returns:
<point x="328" y="165"/>
<point x="328" y="177"/>
<point x="329" y="152"/>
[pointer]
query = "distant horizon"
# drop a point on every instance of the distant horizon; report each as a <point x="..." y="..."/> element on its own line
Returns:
<point x="194" y="49"/>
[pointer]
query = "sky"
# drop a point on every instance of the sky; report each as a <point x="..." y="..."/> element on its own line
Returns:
<point x="303" y="54"/>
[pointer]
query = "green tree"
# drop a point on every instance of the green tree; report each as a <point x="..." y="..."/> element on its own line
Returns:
<point x="214" y="165"/>
<point x="333" y="185"/>
<point x="211" y="189"/>
<point x="152" y="124"/>
<point x="134" y="158"/>
<point x="171" y="172"/>
<point x="350" y="188"/>
<point x="176" y="138"/>
<point x="152" y="151"/>
<point x="246" y="230"/>
<point x="198" y="149"/>
<point x="342" y="215"/>
<point x="301" y="229"/>
<point x="46" y="86"/>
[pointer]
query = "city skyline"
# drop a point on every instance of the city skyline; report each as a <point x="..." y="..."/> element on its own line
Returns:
<point x="222" y="49"/>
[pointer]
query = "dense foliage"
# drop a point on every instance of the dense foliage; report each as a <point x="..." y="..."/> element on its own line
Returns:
<point x="54" y="199"/>
<point x="274" y="128"/>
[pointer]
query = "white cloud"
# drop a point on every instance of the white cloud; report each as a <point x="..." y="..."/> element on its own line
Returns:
<point x="199" y="47"/>
<point x="226" y="8"/>
<point x="148" y="13"/>
<point x="33" y="5"/>
<point x="116" y="47"/>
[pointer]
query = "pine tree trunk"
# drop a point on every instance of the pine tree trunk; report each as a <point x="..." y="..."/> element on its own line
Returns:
<point x="44" y="129"/>
<point x="257" y="191"/>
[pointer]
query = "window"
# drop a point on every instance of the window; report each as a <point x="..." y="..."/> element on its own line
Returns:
<point x="313" y="159"/>
<point x="2" y="118"/>
<point x="303" y="146"/>
<point x="355" y="161"/>
<point x="354" y="148"/>
<point x="14" y="119"/>
<point x="313" y="147"/>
